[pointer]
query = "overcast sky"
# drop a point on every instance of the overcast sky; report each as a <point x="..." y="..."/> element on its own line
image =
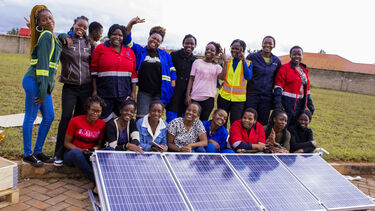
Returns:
<point x="342" y="27"/>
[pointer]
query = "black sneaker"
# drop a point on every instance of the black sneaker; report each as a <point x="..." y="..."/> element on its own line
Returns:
<point x="44" y="158"/>
<point x="32" y="160"/>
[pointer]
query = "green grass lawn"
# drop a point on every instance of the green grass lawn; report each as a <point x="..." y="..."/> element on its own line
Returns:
<point x="343" y="122"/>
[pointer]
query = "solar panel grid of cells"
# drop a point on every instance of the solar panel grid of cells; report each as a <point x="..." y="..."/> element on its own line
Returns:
<point x="209" y="183"/>
<point x="273" y="185"/>
<point x="325" y="182"/>
<point x="138" y="182"/>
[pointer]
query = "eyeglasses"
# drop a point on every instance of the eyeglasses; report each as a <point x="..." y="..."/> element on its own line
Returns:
<point x="95" y="111"/>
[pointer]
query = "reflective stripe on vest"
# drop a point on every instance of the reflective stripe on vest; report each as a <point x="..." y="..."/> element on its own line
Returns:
<point x="234" y="86"/>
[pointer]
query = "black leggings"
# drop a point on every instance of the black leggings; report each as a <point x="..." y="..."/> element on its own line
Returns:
<point x="207" y="106"/>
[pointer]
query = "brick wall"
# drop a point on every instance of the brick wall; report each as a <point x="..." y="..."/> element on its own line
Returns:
<point x="14" y="44"/>
<point x="343" y="81"/>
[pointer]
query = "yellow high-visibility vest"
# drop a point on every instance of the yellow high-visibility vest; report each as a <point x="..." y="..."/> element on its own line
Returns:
<point x="234" y="86"/>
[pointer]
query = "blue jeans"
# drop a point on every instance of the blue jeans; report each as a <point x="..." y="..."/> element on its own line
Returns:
<point x="143" y="102"/>
<point x="31" y="111"/>
<point x="210" y="148"/>
<point x="75" y="157"/>
<point x="172" y="115"/>
<point x="198" y="149"/>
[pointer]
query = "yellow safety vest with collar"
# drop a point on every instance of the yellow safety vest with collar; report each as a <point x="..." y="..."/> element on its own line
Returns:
<point x="234" y="86"/>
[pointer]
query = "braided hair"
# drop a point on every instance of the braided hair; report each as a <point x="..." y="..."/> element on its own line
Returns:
<point x="270" y="124"/>
<point x="75" y="21"/>
<point x="217" y="46"/>
<point x="241" y="42"/>
<point x="34" y="18"/>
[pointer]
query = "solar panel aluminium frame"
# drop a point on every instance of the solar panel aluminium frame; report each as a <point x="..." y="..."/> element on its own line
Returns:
<point x="320" y="200"/>
<point x="103" y="197"/>
<point x="222" y="155"/>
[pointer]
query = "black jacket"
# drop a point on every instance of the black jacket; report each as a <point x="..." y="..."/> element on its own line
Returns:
<point x="75" y="61"/>
<point x="112" y="133"/>
<point x="301" y="139"/>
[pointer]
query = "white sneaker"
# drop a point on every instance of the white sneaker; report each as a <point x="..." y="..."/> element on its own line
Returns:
<point x="58" y="162"/>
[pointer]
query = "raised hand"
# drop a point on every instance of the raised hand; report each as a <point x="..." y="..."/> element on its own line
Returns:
<point x="27" y="22"/>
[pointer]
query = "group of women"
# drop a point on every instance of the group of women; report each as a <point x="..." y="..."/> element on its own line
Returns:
<point x="105" y="77"/>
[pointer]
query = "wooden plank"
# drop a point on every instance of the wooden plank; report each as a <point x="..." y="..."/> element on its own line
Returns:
<point x="11" y="197"/>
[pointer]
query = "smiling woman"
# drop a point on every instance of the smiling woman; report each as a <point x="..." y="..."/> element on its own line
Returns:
<point x="292" y="86"/>
<point x="38" y="83"/>
<point x="187" y="134"/>
<point x="75" y="74"/>
<point x="157" y="75"/>
<point x="113" y="70"/>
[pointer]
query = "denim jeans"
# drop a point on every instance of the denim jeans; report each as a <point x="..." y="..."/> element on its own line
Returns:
<point x="143" y="102"/>
<point x="210" y="148"/>
<point x="73" y="97"/>
<point x="31" y="111"/>
<point x="198" y="149"/>
<point x="75" y="157"/>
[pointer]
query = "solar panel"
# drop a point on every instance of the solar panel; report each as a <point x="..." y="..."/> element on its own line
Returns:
<point x="272" y="183"/>
<point x="209" y="183"/>
<point x="325" y="182"/>
<point x="133" y="181"/>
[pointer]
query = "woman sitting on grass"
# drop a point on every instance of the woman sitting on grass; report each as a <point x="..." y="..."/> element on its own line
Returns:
<point x="246" y="134"/>
<point x="38" y="83"/>
<point x="84" y="135"/>
<point x="153" y="129"/>
<point x="216" y="132"/>
<point x="302" y="137"/>
<point x="122" y="133"/>
<point x="187" y="134"/>
<point x="278" y="137"/>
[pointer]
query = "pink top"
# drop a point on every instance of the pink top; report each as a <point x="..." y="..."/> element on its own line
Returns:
<point x="205" y="80"/>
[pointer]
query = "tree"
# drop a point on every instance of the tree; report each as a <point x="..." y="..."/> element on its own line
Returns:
<point x="251" y="51"/>
<point x="104" y="39"/>
<point x="322" y="51"/>
<point x="14" y="31"/>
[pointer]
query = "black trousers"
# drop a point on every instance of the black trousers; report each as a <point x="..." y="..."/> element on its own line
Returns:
<point x="73" y="98"/>
<point x="234" y="109"/>
<point x="207" y="106"/>
<point x="262" y="104"/>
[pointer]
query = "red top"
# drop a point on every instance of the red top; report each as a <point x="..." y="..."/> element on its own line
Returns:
<point x="114" y="71"/>
<point x="238" y="133"/>
<point x="288" y="78"/>
<point x="85" y="135"/>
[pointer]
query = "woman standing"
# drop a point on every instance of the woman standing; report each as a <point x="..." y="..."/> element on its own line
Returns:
<point x="157" y="75"/>
<point x="203" y="79"/>
<point x="113" y="71"/>
<point x="292" y="86"/>
<point x="38" y="83"/>
<point x="122" y="133"/>
<point x="232" y="95"/>
<point x="277" y="136"/>
<point x="187" y="134"/>
<point x="153" y="129"/>
<point x="75" y="74"/>
<point x="84" y="135"/>
<point x="182" y="60"/>
<point x="260" y="87"/>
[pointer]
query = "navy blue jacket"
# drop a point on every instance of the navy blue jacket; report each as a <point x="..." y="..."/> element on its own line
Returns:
<point x="263" y="74"/>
